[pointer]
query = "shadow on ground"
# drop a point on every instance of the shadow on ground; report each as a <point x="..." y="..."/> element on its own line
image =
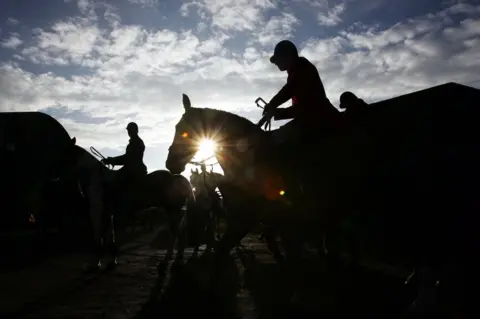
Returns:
<point x="184" y="295"/>
<point x="336" y="294"/>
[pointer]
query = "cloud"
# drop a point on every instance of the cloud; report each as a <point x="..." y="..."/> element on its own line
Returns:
<point x="69" y="41"/>
<point x="144" y="3"/>
<point x="98" y="70"/>
<point x="332" y="16"/>
<point x="468" y="28"/>
<point x="12" y="42"/>
<point x="410" y="55"/>
<point x="277" y="28"/>
<point x="327" y="14"/>
<point x="232" y="15"/>
<point x="12" y="21"/>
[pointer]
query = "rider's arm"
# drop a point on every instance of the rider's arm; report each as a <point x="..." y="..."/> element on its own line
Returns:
<point x="286" y="113"/>
<point x="127" y="157"/>
<point x="281" y="97"/>
<point x="117" y="160"/>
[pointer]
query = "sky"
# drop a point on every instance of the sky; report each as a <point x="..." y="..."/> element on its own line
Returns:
<point x="97" y="65"/>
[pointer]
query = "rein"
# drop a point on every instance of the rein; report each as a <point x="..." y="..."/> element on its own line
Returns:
<point x="99" y="155"/>
<point x="96" y="152"/>
<point x="202" y="162"/>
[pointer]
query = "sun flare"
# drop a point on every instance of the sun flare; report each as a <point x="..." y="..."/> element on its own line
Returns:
<point x="206" y="149"/>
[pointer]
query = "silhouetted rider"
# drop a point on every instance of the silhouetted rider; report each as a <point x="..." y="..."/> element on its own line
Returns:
<point x="310" y="104"/>
<point x="354" y="107"/>
<point x="203" y="168"/>
<point x="132" y="160"/>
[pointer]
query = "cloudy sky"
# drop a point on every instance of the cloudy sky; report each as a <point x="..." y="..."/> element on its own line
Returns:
<point x="95" y="65"/>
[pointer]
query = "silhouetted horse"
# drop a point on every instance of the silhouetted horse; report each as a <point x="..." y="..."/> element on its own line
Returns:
<point x="157" y="189"/>
<point x="34" y="151"/>
<point x="394" y="169"/>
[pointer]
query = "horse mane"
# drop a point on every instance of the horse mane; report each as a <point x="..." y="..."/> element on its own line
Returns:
<point x="238" y="127"/>
<point x="80" y="151"/>
<point x="220" y="117"/>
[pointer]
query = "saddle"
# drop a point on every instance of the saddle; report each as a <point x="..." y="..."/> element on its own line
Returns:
<point x="124" y="184"/>
<point x="311" y="164"/>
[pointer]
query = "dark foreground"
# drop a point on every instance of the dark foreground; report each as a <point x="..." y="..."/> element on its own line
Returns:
<point x="143" y="286"/>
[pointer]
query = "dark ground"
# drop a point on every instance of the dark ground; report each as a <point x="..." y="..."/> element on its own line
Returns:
<point x="142" y="286"/>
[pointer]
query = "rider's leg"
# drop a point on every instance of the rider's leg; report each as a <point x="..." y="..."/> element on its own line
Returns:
<point x="286" y="133"/>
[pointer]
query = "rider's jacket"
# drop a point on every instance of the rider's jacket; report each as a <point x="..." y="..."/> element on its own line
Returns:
<point x="306" y="90"/>
<point x="132" y="160"/>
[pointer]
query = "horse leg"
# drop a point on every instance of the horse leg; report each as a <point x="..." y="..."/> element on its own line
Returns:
<point x="113" y="243"/>
<point x="229" y="240"/>
<point x="210" y="231"/>
<point x="270" y="237"/>
<point x="216" y="212"/>
<point x="176" y="222"/>
<point x="173" y="231"/>
<point x="428" y="280"/>
<point x="181" y="234"/>
<point x="293" y="249"/>
<point x="96" y="209"/>
<point x="98" y="238"/>
<point x="322" y="247"/>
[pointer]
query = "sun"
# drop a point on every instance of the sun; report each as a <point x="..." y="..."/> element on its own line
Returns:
<point x="206" y="149"/>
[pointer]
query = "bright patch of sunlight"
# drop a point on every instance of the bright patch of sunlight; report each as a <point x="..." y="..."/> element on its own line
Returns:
<point x="206" y="149"/>
<point x="205" y="153"/>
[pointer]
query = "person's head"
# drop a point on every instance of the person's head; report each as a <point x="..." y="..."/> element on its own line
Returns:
<point x="132" y="129"/>
<point x="347" y="99"/>
<point x="203" y="167"/>
<point x="284" y="55"/>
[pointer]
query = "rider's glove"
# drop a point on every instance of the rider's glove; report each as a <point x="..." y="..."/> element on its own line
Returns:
<point x="268" y="109"/>
<point x="106" y="161"/>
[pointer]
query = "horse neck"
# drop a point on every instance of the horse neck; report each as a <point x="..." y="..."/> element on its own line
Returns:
<point x="241" y="152"/>
<point x="95" y="168"/>
<point x="241" y="140"/>
<point x="247" y="157"/>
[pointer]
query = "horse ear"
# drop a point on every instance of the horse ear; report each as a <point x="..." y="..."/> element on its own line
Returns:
<point x="74" y="140"/>
<point x="186" y="102"/>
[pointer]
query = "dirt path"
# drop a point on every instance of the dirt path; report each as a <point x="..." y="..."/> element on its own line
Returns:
<point x="144" y="287"/>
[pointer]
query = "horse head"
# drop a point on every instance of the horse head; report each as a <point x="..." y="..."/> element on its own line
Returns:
<point x="188" y="133"/>
<point x="233" y="135"/>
